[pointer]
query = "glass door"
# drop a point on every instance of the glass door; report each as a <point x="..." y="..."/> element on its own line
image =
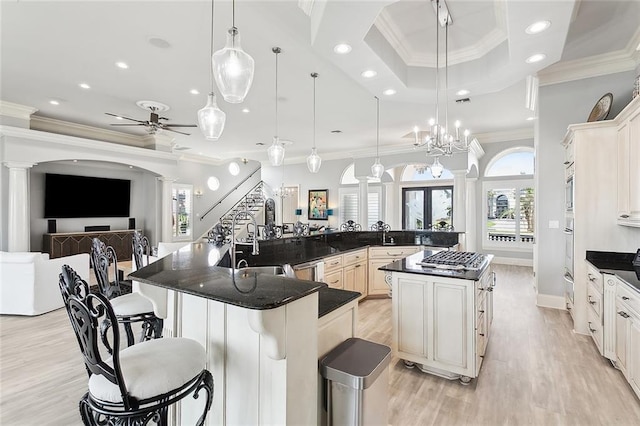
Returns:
<point x="425" y="207"/>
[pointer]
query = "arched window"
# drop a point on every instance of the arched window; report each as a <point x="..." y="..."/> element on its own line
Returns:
<point x="421" y="172"/>
<point x="349" y="194"/>
<point x="512" y="162"/>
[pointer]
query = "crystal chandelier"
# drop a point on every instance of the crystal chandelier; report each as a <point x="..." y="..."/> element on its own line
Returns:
<point x="233" y="67"/>
<point x="377" y="169"/>
<point x="276" y="150"/>
<point x="440" y="139"/>
<point x="211" y="119"/>
<point x="313" y="160"/>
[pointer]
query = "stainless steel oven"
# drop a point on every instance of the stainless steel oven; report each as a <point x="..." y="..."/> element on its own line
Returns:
<point x="568" y="258"/>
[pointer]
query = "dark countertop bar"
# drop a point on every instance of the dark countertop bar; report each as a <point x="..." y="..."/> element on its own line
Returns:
<point x="297" y="250"/>
<point x="330" y="299"/>
<point x="409" y="265"/>
<point x="192" y="270"/>
<point x="619" y="264"/>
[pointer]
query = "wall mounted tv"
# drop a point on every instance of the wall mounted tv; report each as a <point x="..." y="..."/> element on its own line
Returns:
<point x="67" y="196"/>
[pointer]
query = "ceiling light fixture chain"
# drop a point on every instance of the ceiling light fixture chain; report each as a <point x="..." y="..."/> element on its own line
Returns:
<point x="313" y="160"/>
<point x="211" y="119"/>
<point x="233" y="67"/>
<point x="377" y="169"/>
<point x="276" y="150"/>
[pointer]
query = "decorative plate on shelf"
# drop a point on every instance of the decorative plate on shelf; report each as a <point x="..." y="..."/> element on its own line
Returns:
<point x="601" y="109"/>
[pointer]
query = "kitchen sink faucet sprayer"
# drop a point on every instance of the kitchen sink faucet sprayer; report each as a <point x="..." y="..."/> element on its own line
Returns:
<point x="254" y="243"/>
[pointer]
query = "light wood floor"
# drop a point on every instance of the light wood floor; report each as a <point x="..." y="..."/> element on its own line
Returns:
<point x="536" y="371"/>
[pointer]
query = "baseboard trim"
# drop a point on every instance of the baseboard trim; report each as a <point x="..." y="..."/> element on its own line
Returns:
<point x="513" y="261"/>
<point x="549" y="301"/>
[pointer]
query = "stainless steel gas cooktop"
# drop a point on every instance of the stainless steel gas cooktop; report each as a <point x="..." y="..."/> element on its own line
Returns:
<point x="460" y="260"/>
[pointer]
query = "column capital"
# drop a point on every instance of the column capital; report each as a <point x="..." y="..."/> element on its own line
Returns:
<point x="166" y="179"/>
<point x="19" y="164"/>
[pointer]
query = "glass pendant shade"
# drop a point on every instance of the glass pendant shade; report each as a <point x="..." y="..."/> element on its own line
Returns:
<point x="314" y="161"/>
<point x="233" y="69"/>
<point x="276" y="152"/>
<point x="377" y="169"/>
<point x="436" y="168"/>
<point x="211" y="119"/>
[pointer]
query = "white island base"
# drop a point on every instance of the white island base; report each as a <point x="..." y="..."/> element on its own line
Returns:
<point x="264" y="362"/>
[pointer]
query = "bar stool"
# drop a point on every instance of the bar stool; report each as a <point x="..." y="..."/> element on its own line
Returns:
<point x="135" y="385"/>
<point x="350" y="226"/>
<point x="380" y="226"/>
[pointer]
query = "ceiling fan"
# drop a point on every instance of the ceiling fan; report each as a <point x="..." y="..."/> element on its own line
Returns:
<point x="155" y="121"/>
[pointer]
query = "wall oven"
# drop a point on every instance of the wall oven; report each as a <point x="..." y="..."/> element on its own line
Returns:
<point x="568" y="258"/>
<point x="568" y="188"/>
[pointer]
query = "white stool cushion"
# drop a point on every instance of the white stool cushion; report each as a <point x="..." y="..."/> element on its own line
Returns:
<point x="131" y="304"/>
<point x="152" y="368"/>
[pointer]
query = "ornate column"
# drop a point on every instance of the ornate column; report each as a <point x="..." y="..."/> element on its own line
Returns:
<point x="363" y="202"/>
<point x="166" y="225"/>
<point x="19" y="213"/>
<point x="459" y="200"/>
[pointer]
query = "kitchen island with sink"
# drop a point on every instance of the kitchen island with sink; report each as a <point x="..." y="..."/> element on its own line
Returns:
<point x="261" y="333"/>
<point x="442" y="312"/>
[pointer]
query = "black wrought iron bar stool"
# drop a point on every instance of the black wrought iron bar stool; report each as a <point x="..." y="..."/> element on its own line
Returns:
<point x="129" y="308"/>
<point x="350" y="226"/>
<point x="135" y="385"/>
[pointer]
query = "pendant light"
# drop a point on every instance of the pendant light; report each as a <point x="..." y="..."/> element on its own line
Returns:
<point x="436" y="168"/>
<point x="233" y="67"/>
<point x="276" y="150"/>
<point x="314" y="161"/>
<point x="211" y="118"/>
<point x="377" y="169"/>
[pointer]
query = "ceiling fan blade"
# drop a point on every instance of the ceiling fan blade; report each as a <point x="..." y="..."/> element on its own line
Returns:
<point x="175" y="131"/>
<point x="180" y="125"/>
<point x="128" y="124"/>
<point x="126" y="118"/>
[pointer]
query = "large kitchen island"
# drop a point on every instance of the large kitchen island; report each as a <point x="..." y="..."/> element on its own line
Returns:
<point x="442" y="312"/>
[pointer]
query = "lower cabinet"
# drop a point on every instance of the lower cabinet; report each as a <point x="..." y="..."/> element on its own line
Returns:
<point x="442" y="324"/>
<point x="355" y="277"/>
<point x="628" y="335"/>
<point x="380" y="256"/>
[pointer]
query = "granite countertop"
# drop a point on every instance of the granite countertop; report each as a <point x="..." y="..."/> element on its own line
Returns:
<point x="618" y="264"/>
<point x="410" y="265"/>
<point x="330" y="299"/>
<point x="192" y="270"/>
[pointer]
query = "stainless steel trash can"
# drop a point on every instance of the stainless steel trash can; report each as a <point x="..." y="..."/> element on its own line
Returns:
<point x="357" y="377"/>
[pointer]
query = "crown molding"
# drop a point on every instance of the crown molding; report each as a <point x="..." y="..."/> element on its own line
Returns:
<point x="394" y="36"/>
<point x="622" y="60"/>
<point x="60" y="127"/>
<point x="505" y="136"/>
<point x="9" y="109"/>
<point x="306" y="6"/>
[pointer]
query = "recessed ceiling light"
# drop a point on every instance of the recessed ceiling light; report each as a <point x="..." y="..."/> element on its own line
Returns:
<point x="389" y="92"/>
<point x="118" y="118"/>
<point x="537" y="27"/>
<point x="159" y="42"/>
<point x="342" y="48"/>
<point x="131" y="167"/>
<point x="530" y="118"/>
<point x="462" y="92"/>
<point x="54" y="102"/>
<point x="122" y="65"/>
<point x="85" y="86"/>
<point x="536" y="58"/>
<point x="213" y="183"/>
<point x="194" y="92"/>
<point x="369" y="73"/>
<point x="246" y="110"/>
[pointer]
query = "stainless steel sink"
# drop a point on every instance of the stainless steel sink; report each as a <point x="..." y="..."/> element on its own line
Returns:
<point x="252" y="271"/>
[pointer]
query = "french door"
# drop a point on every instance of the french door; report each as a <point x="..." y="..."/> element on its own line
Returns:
<point x="426" y="206"/>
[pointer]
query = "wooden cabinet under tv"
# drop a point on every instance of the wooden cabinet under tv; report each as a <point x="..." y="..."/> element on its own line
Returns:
<point x="69" y="243"/>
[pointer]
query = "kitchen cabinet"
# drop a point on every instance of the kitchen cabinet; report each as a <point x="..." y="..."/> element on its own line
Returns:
<point x="627" y="328"/>
<point x="594" y="300"/>
<point x="628" y="157"/>
<point x="442" y="324"/>
<point x="380" y="256"/>
<point x="333" y="272"/>
<point x="355" y="272"/>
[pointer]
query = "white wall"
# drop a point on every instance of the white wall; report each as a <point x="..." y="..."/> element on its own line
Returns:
<point x="559" y="106"/>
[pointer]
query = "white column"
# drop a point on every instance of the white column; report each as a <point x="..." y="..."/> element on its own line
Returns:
<point x="166" y="234"/>
<point x="471" y="236"/>
<point x="459" y="200"/>
<point x="19" y="212"/>
<point x="389" y="201"/>
<point x="363" y="202"/>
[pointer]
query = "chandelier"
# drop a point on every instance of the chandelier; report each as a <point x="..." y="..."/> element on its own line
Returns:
<point x="440" y="139"/>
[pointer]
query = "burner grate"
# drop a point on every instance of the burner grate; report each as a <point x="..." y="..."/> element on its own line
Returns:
<point x="455" y="260"/>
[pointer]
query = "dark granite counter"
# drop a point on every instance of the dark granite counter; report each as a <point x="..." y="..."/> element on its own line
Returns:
<point x="331" y="299"/>
<point x="193" y="271"/>
<point x="618" y="264"/>
<point x="409" y="265"/>
<point x="297" y="250"/>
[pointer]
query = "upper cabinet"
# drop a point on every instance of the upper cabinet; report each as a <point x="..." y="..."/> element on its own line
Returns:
<point x="628" y="165"/>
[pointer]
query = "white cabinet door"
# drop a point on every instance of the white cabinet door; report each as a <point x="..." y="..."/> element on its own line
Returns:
<point x="622" y="146"/>
<point x="622" y="335"/>
<point x="411" y="309"/>
<point x="452" y="326"/>
<point x="633" y="353"/>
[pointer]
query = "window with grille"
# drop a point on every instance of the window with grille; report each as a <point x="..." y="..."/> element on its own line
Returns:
<point x="349" y="208"/>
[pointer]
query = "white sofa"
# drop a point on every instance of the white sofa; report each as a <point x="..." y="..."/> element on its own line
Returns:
<point x="29" y="281"/>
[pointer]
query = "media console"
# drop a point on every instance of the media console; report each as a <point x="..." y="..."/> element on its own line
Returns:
<point x="69" y="243"/>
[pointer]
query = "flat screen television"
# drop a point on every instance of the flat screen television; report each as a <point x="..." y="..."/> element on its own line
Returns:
<point x="69" y="196"/>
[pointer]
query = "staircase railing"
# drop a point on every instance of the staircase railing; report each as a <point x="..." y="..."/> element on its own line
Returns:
<point x="235" y="188"/>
